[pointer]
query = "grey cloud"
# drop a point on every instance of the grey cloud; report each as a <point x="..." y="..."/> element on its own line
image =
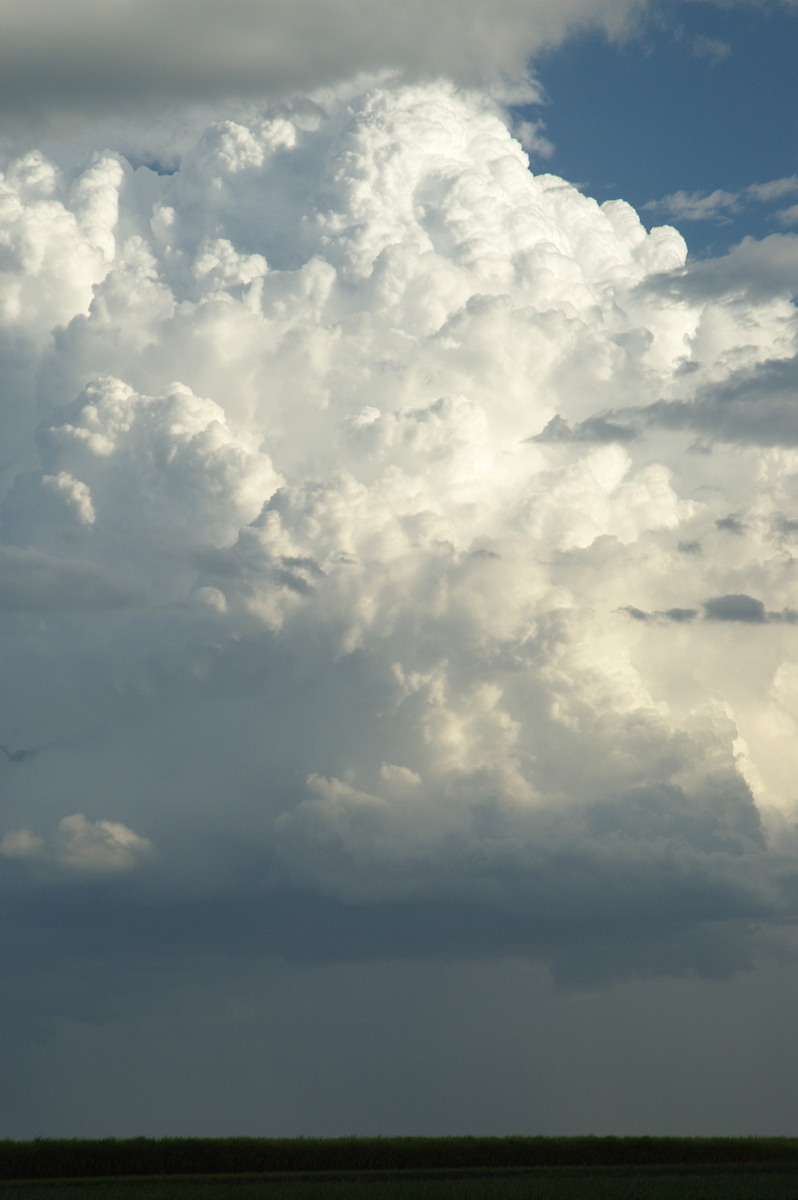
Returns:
<point x="698" y="206"/>
<point x="787" y="526"/>
<point x="788" y="216"/>
<point x="297" y="573"/>
<point x="681" y="616"/>
<point x="637" y="614"/>
<point x="713" y="49"/>
<point x="774" y="189"/>
<point x="736" y="607"/>
<point x="755" y="405"/>
<point x="753" y="270"/>
<point x="646" y="867"/>
<point x="18" y="755"/>
<point x="596" y="429"/>
<point x="731" y="524"/>
<point x="726" y="821"/>
<point x="702" y="206"/>
<point x="81" y="57"/>
<point x="39" y="583"/>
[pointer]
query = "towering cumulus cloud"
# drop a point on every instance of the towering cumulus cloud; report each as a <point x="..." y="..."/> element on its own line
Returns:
<point x="398" y="552"/>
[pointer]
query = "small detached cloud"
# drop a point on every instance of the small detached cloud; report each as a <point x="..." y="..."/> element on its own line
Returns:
<point x="739" y="607"/>
<point x="80" y="846"/>
<point x="735" y="607"/>
<point x="719" y="205"/>
<point x="680" y="616"/>
<point x="713" y="49"/>
<point x="731" y="524"/>
<point x="697" y="206"/>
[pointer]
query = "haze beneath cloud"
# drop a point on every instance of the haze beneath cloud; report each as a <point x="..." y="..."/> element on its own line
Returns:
<point x="397" y="546"/>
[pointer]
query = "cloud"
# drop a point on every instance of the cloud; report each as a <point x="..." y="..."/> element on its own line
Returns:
<point x="80" y="846"/>
<point x="719" y="204"/>
<point x="31" y="581"/>
<point x="81" y="58"/>
<point x="531" y="136"/>
<point x="594" y="429"/>
<point x="737" y="607"/>
<point x="731" y="524"/>
<point x="744" y="608"/>
<point x="754" y="405"/>
<point x="680" y="615"/>
<point x="747" y="398"/>
<point x="713" y="49"/>
<point x="754" y="269"/>
<point x="340" y="453"/>
<point x="698" y="206"/>
<point x="775" y="189"/>
<point x="788" y="216"/>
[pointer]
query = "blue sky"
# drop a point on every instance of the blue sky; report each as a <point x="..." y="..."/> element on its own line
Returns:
<point x="700" y="98"/>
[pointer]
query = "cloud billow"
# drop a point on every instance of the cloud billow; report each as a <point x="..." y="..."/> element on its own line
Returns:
<point x="341" y="477"/>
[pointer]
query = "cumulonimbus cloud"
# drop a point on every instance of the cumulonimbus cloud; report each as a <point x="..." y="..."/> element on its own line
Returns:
<point x="323" y="548"/>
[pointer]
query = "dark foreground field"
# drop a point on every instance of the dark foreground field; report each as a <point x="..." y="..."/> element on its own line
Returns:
<point x="548" y="1183"/>
<point x="402" y="1169"/>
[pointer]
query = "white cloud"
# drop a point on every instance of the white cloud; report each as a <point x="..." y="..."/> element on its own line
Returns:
<point x="75" y="493"/>
<point x="354" y="449"/>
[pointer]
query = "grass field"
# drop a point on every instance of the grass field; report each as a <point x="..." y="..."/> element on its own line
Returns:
<point x="402" y="1169"/>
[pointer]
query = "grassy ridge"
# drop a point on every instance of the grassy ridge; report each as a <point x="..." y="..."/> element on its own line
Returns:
<point x="74" y="1158"/>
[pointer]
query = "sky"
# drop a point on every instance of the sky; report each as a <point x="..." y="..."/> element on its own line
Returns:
<point x="398" y="529"/>
<point x="713" y="88"/>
